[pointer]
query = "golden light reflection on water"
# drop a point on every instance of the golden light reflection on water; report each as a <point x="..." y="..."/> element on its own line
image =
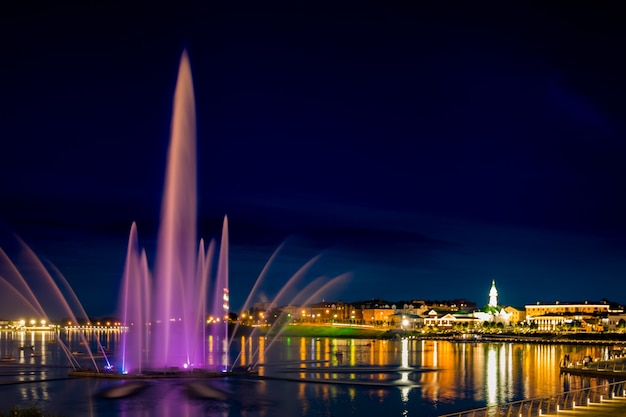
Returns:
<point x="404" y="374"/>
<point x="408" y="370"/>
<point x="303" y="357"/>
<point x="244" y="346"/>
<point x="210" y="349"/>
<point x="261" y="355"/>
<point x="495" y="372"/>
<point x="445" y="371"/>
<point x="492" y="376"/>
<point x="435" y="370"/>
<point x="25" y="347"/>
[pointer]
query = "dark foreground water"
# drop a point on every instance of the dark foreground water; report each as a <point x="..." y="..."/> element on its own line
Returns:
<point x="299" y="377"/>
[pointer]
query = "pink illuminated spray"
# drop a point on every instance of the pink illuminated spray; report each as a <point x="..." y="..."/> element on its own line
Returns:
<point x="176" y="245"/>
<point x="167" y="317"/>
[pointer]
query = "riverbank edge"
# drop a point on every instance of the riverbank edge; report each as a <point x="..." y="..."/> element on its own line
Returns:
<point x="347" y="332"/>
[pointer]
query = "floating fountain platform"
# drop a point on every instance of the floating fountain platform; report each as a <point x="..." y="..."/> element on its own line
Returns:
<point x="163" y="373"/>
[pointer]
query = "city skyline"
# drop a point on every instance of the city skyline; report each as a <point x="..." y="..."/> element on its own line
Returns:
<point x="458" y="304"/>
<point x="422" y="150"/>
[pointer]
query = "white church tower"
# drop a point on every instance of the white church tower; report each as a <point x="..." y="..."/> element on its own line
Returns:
<point x="493" y="295"/>
<point x="492" y="312"/>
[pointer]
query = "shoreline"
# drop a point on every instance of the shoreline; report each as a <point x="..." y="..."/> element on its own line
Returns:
<point x="347" y="332"/>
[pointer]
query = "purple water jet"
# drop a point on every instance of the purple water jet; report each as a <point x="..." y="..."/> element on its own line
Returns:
<point x="166" y="315"/>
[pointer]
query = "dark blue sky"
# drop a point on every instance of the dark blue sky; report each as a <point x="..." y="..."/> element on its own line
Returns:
<point x="426" y="150"/>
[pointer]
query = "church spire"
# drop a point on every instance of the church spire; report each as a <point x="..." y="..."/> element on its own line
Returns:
<point x="493" y="294"/>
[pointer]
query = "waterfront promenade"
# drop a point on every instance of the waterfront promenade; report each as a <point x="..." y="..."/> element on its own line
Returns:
<point x="615" y="407"/>
<point x="604" y="400"/>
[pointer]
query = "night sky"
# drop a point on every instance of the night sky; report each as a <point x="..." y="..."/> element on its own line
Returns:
<point x="423" y="150"/>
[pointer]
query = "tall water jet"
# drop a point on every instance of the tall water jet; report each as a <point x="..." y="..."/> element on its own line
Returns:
<point x="167" y="320"/>
<point x="135" y="281"/>
<point x="176" y="246"/>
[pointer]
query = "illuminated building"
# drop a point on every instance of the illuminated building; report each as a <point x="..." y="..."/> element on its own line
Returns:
<point x="493" y="312"/>
<point x="447" y="320"/>
<point x="552" y="316"/>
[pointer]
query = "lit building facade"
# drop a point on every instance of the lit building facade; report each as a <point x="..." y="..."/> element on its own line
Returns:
<point x="448" y="320"/>
<point x="516" y="315"/>
<point x="550" y="316"/>
<point x="382" y="316"/>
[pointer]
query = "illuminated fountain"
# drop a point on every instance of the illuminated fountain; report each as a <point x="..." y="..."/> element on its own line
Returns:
<point x="166" y="311"/>
<point x="167" y="314"/>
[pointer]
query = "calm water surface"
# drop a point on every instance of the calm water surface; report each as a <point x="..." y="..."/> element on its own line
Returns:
<point x="299" y="377"/>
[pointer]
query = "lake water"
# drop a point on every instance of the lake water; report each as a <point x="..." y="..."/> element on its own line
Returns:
<point x="299" y="377"/>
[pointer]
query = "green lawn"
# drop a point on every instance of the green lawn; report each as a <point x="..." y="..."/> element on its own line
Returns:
<point x="329" y="331"/>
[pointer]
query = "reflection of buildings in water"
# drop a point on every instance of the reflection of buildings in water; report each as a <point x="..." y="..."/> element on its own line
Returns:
<point x="327" y="348"/>
<point x="404" y="362"/>
<point x="430" y="380"/>
<point x="34" y="392"/>
<point x="509" y="375"/>
<point x="243" y="356"/>
<point x="377" y="352"/>
<point x="477" y="371"/>
<point x="538" y="362"/>
<point x="315" y="352"/>
<point x="542" y="362"/>
<point x="496" y="373"/>
<point x="250" y="353"/>
<point x="483" y="373"/>
<point x="352" y="393"/>
<point x="492" y="377"/>
<point x="321" y="393"/>
<point x="43" y="346"/>
<point x="303" y="357"/>
<point x="404" y="375"/>
<point x="499" y="370"/>
<point x="261" y="354"/>
<point x="210" y="347"/>
<point x="353" y="353"/>
<point x="476" y="378"/>
<point x="28" y="347"/>
<point x="460" y="371"/>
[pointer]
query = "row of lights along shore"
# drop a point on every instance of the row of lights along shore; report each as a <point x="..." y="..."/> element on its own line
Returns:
<point x="33" y="324"/>
<point x="30" y="325"/>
